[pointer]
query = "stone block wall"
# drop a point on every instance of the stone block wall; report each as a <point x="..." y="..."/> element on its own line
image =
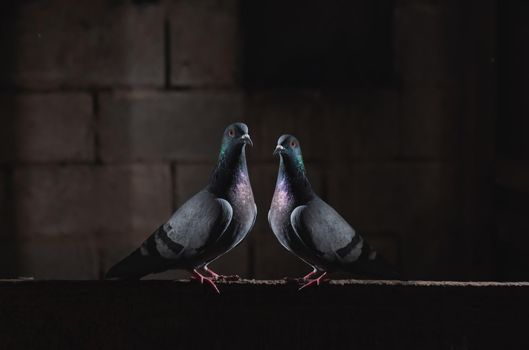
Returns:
<point x="112" y="113"/>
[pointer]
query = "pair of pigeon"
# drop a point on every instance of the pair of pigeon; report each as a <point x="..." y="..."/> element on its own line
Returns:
<point x="219" y="217"/>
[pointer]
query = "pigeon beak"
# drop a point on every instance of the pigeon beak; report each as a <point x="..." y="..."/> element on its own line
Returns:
<point x="278" y="149"/>
<point x="246" y="139"/>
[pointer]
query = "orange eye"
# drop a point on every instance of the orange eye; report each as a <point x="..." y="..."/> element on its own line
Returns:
<point x="231" y="133"/>
<point x="293" y="144"/>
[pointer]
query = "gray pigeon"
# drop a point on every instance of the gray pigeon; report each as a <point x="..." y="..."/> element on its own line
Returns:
<point x="311" y="229"/>
<point x="205" y="227"/>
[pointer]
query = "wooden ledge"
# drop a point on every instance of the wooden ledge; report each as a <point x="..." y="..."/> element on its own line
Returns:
<point x="263" y="314"/>
<point x="281" y="282"/>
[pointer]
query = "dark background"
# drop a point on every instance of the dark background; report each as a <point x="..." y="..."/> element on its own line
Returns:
<point x="412" y="116"/>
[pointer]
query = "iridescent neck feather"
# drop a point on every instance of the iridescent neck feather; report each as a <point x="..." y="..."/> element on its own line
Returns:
<point x="292" y="177"/>
<point x="231" y="165"/>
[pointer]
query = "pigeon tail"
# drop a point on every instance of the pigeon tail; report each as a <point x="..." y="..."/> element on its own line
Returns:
<point x="135" y="266"/>
<point x="372" y="265"/>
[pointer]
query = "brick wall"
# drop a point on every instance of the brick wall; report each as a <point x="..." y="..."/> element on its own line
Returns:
<point x="112" y="114"/>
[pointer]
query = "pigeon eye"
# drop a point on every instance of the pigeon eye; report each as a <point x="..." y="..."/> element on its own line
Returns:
<point x="231" y="133"/>
<point x="293" y="144"/>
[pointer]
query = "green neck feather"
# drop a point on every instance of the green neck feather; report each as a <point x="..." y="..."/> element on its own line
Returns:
<point x="299" y="163"/>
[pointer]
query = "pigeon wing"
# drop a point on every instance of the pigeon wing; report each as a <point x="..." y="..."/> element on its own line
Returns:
<point x="325" y="232"/>
<point x="195" y="225"/>
<point x="198" y="222"/>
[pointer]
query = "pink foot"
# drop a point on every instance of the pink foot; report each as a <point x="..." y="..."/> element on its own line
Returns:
<point x="313" y="281"/>
<point x="308" y="275"/>
<point x="203" y="278"/>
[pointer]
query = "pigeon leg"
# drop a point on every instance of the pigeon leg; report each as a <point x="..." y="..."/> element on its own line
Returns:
<point x="314" y="281"/>
<point x="203" y="278"/>
<point x="308" y="275"/>
<point x="212" y="273"/>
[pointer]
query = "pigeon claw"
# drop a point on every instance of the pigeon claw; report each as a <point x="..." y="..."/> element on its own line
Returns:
<point x="212" y="273"/>
<point x="209" y="280"/>
<point x="315" y="281"/>
<point x="217" y="276"/>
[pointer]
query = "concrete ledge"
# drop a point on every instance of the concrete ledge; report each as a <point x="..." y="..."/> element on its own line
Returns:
<point x="263" y="315"/>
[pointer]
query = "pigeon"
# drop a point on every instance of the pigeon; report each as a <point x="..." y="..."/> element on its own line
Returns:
<point x="208" y="225"/>
<point x="311" y="229"/>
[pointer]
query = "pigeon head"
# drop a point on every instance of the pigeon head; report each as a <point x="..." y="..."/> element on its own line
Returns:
<point x="235" y="135"/>
<point x="292" y="168"/>
<point x="231" y="164"/>
<point x="289" y="149"/>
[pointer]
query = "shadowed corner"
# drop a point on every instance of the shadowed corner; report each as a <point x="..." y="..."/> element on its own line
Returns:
<point x="10" y="260"/>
